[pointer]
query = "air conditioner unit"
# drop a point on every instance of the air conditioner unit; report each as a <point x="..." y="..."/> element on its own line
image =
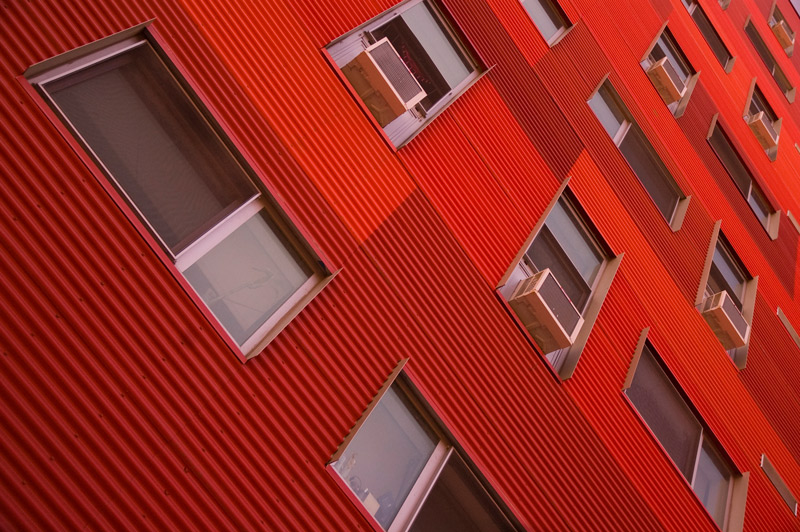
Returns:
<point x="383" y="82"/>
<point x="782" y="33"/>
<point x="725" y="319"/>
<point x="546" y="312"/>
<point x="761" y="126"/>
<point x="666" y="80"/>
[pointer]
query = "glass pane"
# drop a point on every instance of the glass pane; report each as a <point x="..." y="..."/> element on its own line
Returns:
<point x="158" y="148"/>
<point x="760" y="205"/>
<point x="666" y="47"/>
<point x="710" y="35"/>
<point x="607" y="110"/>
<point x="428" y="51"/>
<point x="385" y="457"/>
<point x="650" y="170"/>
<point x="727" y="275"/>
<point x="547" y="19"/>
<point x="545" y="252"/>
<point x="730" y="160"/>
<point x="245" y="278"/>
<point x="575" y="241"/>
<point x="712" y="483"/>
<point x="457" y="503"/>
<point x="665" y="412"/>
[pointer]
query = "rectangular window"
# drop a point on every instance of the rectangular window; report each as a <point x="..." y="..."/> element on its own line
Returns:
<point x="779" y="484"/>
<point x="669" y="70"/>
<point x="682" y="436"/>
<point x="162" y="152"/>
<point x="741" y="175"/>
<point x="406" y="474"/>
<point x="405" y="65"/>
<point x="727" y="297"/>
<point x="638" y="151"/>
<point x="549" y="18"/>
<point x="709" y="34"/>
<point x="781" y="29"/>
<point x="769" y="61"/>
<point x="763" y="122"/>
<point x="559" y="282"/>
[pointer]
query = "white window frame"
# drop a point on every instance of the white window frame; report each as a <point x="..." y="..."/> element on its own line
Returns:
<point x="442" y="453"/>
<point x="675" y="220"/>
<point x="343" y="49"/>
<point x="678" y="107"/>
<point x="736" y="497"/>
<point x="564" y="361"/>
<point x="83" y="58"/>
<point x="561" y="31"/>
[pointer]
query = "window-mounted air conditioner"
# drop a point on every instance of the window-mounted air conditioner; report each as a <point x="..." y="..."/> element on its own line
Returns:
<point x="761" y="126"/>
<point x="782" y="33"/>
<point x="546" y="312"/>
<point x="383" y="81"/>
<point x="666" y="80"/>
<point x="725" y="319"/>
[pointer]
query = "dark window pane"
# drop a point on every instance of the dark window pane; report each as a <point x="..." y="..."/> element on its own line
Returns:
<point x="665" y="412"/>
<point x="650" y="170"/>
<point x="767" y="57"/>
<point x="457" y="503"/>
<point x="157" y="146"/>
<point x="545" y="252"/>
<point x="731" y="160"/>
<point x="727" y="274"/>
<point x="607" y="110"/>
<point x="712" y="482"/>
<point x="548" y="19"/>
<point x="710" y="35"/>
<point x="428" y="50"/>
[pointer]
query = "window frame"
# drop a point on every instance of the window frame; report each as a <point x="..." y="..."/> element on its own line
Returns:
<point x="772" y="221"/>
<point x="738" y="355"/>
<point x="447" y="448"/>
<point x="789" y="50"/>
<point x="695" y="11"/>
<point x="756" y="95"/>
<point x="678" y="107"/>
<point x="563" y="362"/>
<point x="342" y="49"/>
<point x="260" y="203"/>
<point x="562" y="31"/>
<point x="762" y="50"/>
<point x="736" y="497"/>
<point x="681" y="205"/>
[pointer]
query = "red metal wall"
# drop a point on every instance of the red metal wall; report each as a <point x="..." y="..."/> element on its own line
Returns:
<point x="122" y="408"/>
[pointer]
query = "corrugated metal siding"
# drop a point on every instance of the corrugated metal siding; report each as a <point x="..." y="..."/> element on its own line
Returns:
<point x="123" y="409"/>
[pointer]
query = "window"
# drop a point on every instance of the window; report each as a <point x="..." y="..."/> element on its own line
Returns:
<point x="763" y="121"/>
<point x="769" y="61"/>
<point x="779" y="484"/>
<point x="639" y="154"/>
<point x="407" y="476"/>
<point x="557" y="285"/>
<point x="710" y="34"/>
<point x="727" y="298"/>
<point x="406" y="65"/>
<point x="670" y="71"/>
<point x="686" y="441"/>
<point x="548" y="17"/>
<point x="160" y="149"/>
<point x="741" y="176"/>
<point x="781" y="29"/>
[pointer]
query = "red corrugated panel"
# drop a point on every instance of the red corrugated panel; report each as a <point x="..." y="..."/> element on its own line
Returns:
<point x="482" y="367"/>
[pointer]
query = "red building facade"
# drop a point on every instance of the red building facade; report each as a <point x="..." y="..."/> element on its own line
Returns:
<point x="129" y="401"/>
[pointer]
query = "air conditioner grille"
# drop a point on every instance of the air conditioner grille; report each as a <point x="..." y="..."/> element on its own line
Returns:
<point x="735" y="315"/>
<point x="395" y="70"/>
<point x="559" y="304"/>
